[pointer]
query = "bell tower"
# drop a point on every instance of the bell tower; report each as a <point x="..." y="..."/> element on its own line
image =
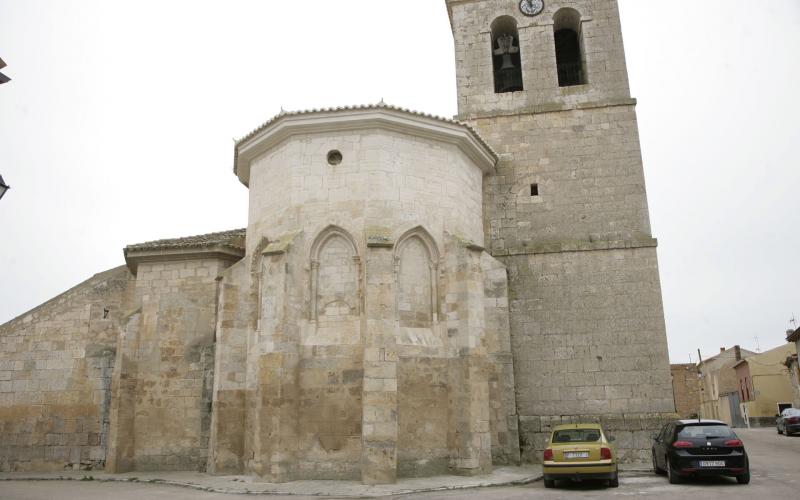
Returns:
<point x="567" y="52"/>
<point x="545" y="83"/>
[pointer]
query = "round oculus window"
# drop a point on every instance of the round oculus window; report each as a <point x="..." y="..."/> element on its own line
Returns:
<point x="334" y="157"/>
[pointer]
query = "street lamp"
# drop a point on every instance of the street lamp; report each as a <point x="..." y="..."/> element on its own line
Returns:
<point x="3" y="187"/>
<point x="3" y="79"/>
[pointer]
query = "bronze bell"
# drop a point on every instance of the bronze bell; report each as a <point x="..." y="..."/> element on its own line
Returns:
<point x="505" y="47"/>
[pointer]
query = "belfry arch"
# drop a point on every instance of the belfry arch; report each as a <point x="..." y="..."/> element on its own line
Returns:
<point x="506" y="55"/>
<point x="570" y="54"/>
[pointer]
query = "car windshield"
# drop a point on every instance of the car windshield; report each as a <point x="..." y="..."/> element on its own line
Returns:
<point x="705" y="432"/>
<point x="791" y="412"/>
<point x="576" y="436"/>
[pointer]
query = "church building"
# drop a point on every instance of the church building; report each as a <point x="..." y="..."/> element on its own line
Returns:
<point x="412" y="295"/>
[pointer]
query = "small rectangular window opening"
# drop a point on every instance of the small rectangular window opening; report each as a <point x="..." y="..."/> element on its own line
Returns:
<point x="534" y="190"/>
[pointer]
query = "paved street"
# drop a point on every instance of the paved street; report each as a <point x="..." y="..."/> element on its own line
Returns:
<point x="774" y="460"/>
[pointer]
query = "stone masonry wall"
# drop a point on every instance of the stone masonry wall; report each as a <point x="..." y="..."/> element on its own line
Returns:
<point x="686" y="389"/>
<point x="504" y="421"/>
<point x="384" y="176"/>
<point x="161" y="406"/>
<point x="588" y="168"/>
<point x="330" y="409"/>
<point x="603" y="54"/>
<point x="587" y="323"/>
<point x="588" y="339"/>
<point x="422" y="417"/>
<point x="236" y="317"/>
<point x="55" y="375"/>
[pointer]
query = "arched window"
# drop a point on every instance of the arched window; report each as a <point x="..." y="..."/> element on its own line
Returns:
<point x="569" y="48"/>
<point x="334" y="276"/>
<point x="506" y="57"/>
<point x="416" y="268"/>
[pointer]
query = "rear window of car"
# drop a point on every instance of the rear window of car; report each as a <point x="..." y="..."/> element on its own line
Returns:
<point x="704" y="431"/>
<point x="576" y="436"/>
<point x="791" y="412"/>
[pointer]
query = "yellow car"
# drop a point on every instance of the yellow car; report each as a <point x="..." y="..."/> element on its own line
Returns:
<point x="580" y="451"/>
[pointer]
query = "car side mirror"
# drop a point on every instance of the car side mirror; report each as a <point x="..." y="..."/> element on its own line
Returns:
<point x="611" y="439"/>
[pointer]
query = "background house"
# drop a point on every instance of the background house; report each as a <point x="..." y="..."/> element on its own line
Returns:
<point x="686" y="389"/>
<point x="765" y="387"/>
<point x="719" y="388"/>
<point x="793" y="365"/>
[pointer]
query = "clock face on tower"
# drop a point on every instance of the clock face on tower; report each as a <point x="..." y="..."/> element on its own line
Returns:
<point x="531" y="7"/>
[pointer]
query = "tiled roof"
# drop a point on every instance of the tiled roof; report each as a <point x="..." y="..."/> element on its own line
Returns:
<point x="380" y="105"/>
<point x="233" y="239"/>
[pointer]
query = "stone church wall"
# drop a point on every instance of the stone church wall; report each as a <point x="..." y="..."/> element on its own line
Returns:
<point x="422" y="416"/>
<point x="161" y="407"/>
<point x="236" y="317"/>
<point x="56" y="363"/>
<point x="592" y="345"/>
<point x="384" y="176"/>
<point x="587" y="166"/>
<point x="583" y="271"/>
<point x="603" y="53"/>
<point x="504" y="422"/>
<point x="567" y="213"/>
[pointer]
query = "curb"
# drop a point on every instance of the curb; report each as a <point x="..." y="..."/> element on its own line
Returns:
<point x="213" y="489"/>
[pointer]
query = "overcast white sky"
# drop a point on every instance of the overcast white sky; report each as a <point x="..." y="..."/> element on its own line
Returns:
<point x="117" y="128"/>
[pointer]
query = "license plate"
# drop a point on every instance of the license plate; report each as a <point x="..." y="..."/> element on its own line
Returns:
<point x="576" y="454"/>
<point x="712" y="463"/>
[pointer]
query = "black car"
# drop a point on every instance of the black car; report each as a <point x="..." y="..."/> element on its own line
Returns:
<point x="788" y="421"/>
<point x="693" y="448"/>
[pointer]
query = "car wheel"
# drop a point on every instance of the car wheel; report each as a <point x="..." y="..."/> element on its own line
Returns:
<point x="672" y="476"/>
<point x="656" y="469"/>
<point x="743" y="478"/>
<point x="549" y="483"/>
<point x="614" y="483"/>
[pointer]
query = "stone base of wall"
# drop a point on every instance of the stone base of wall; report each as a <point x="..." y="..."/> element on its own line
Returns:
<point x="760" y="422"/>
<point x="633" y="433"/>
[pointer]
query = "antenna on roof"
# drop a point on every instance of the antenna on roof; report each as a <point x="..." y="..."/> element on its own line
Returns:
<point x="793" y="321"/>
<point x="758" y="346"/>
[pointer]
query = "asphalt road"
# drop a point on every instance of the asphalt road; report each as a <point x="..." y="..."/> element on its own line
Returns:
<point x="774" y="463"/>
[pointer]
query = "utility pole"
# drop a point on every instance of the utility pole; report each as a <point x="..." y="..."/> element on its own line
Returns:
<point x="702" y="388"/>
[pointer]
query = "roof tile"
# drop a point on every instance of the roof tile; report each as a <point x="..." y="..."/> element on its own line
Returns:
<point x="234" y="238"/>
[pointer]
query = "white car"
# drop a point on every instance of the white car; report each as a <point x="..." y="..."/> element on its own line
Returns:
<point x="788" y="422"/>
